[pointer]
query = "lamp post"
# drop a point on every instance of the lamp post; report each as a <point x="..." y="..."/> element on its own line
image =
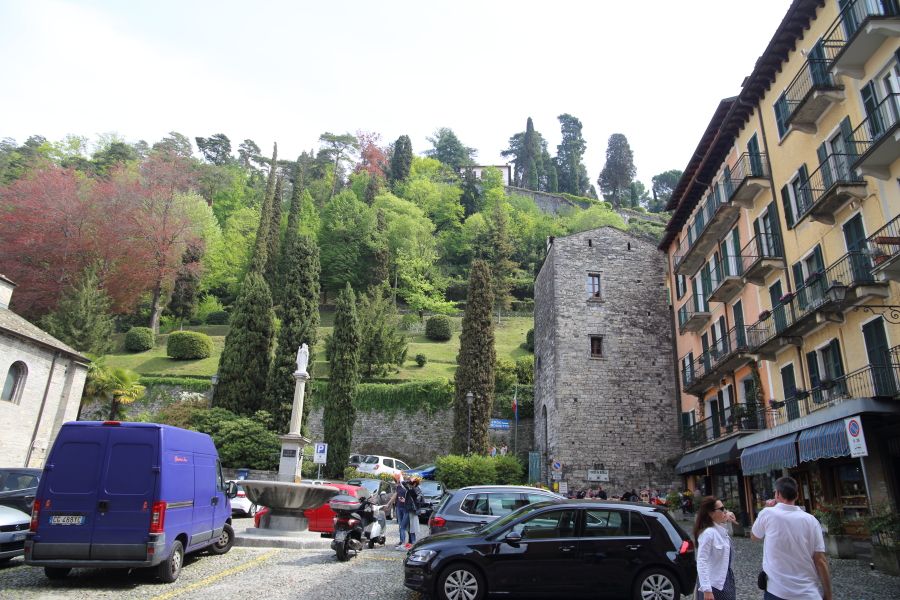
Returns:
<point x="470" y="398"/>
<point x="215" y="381"/>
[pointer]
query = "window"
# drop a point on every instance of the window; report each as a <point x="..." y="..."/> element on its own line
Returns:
<point x="781" y="115"/>
<point x="402" y="466"/>
<point x="389" y="462"/>
<point x="494" y="504"/>
<point x="15" y="381"/>
<point x="687" y="368"/>
<point x="606" y="523"/>
<point x="548" y="525"/>
<point x="593" y="286"/>
<point x="596" y="346"/>
<point x="680" y="286"/>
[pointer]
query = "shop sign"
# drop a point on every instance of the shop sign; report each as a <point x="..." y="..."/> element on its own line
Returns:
<point x="856" y="438"/>
<point x="598" y="475"/>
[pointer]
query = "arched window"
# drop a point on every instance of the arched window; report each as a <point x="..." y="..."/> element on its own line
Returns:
<point x="15" y="382"/>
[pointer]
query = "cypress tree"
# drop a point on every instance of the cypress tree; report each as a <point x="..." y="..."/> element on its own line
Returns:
<point x="381" y="255"/>
<point x="499" y="251"/>
<point x="183" y="302"/>
<point x="383" y="345"/>
<point x="273" y="243"/>
<point x="244" y="365"/>
<point x="82" y="318"/>
<point x="260" y="247"/>
<point x="476" y="359"/>
<point x="401" y="159"/>
<point x="343" y="354"/>
<point x="373" y="188"/>
<point x="299" y="322"/>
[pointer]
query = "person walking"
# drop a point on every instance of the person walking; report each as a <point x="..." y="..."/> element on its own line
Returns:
<point x="415" y="501"/>
<point x="401" y="501"/>
<point x="601" y="493"/>
<point x="715" y="579"/>
<point x="794" y="559"/>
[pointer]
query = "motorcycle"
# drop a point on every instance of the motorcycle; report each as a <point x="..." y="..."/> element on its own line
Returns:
<point x="356" y="522"/>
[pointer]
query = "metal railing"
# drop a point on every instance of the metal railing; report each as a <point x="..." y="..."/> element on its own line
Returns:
<point x="849" y="21"/>
<point x="835" y="170"/>
<point x="895" y="354"/>
<point x="884" y="244"/>
<point x="691" y="306"/>
<point x="747" y="165"/>
<point x="738" y="417"/>
<point x="813" y="74"/>
<point x="719" y="196"/>
<point x="735" y="340"/>
<point x="761" y="245"/>
<point x="878" y="122"/>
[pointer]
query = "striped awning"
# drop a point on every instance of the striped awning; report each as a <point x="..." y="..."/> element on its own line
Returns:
<point x="824" y="441"/>
<point x="780" y="453"/>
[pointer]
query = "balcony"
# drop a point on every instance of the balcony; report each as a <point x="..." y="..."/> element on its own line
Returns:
<point x="734" y="419"/>
<point x="884" y="248"/>
<point x="762" y="256"/>
<point x="877" y="140"/>
<point x="871" y="381"/>
<point x="727" y="353"/>
<point x="711" y="221"/>
<point x="829" y="188"/>
<point x="811" y="93"/>
<point x="857" y="33"/>
<point x="693" y="315"/>
<point x="748" y="178"/>
<point x="726" y="280"/>
<point x="814" y="303"/>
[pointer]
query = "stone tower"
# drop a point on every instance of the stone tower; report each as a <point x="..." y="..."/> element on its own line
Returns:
<point x="605" y="394"/>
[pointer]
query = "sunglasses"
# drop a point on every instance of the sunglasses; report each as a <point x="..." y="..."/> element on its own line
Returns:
<point x="721" y="508"/>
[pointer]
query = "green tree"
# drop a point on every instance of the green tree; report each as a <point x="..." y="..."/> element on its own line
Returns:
<point x="345" y="237"/>
<point x="449" y="150"/>
<point x="299" y="323"/>
<point x="216" y="148"/>
<point x="618" y="172"/>
<point x="663" y="185"/>
<point x="340" y="148"/>
<point x="476" y="360"/>
<point x="498" y="251"/>
<point x="638" y="197"/>
<point x="249" y="154"/>
<point x="175" y="143"/>
<point x="82" y="318"/>
<point x="571" y="172"/>
<point x="343" y="355"/>
<point x="471" y="193"/>
<point x="187" y="283"/>
<point x="381" y="257"/>
<point x="244" y="364"/>
<point x="273" y="245"/>
<point x="261" y="245"/>
<point x="227" y="260"/>
<point x="529" y="150"/>
<point x="401" y="159"/>
<point x="383" y="345"/>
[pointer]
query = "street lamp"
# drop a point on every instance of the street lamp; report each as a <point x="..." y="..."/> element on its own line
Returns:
<point x="215" y="381"/>
<point x="470" y="398"/>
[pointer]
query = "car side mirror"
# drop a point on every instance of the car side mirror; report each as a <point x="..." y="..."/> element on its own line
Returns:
<point x="513" y="538"/>
<point x="231" y="489"/>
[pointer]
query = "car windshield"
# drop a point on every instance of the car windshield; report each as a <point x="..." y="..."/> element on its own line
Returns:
<point x="497" y="525"/>
<point x="371" y="460"/>
<point x="369" y="484"/>
<point x="431" y="488"/>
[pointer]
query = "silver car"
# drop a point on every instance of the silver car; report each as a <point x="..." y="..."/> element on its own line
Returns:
<point x="14" y="525"/>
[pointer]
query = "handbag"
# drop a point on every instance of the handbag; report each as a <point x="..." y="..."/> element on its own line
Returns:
<point x="762" y="580"/>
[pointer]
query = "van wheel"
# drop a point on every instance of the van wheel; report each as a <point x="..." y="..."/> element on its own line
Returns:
<point x="656" y="584"/>
<point x="225" y="541"/>
<point x="56" y="572"/>
<point x="169" y="569"/>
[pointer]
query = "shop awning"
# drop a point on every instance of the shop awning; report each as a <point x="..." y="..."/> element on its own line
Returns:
<point x="707" y="457"/>
<point x="823" y="441"/>
<point x="780" y="453"/>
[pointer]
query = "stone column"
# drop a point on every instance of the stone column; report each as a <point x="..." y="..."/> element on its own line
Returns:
<point x="291" y="462"/>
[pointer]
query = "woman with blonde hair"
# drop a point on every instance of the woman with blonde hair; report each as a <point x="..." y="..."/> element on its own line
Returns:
<point x="715" y="579"/>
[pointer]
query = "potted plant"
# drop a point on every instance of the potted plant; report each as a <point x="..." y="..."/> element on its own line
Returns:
<point x="884" y="526"/>
<point x="831" y="516"/>
<point x="787" y="297"/>
<point x="826" y="383"/>
<point x="801" y="394"/>
<point x="765" y="315"/>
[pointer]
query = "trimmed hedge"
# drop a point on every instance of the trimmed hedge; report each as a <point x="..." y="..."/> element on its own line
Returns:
<point x="529" y="341"/>
<point x="217" y="317"/>
<point x="437" y="328"/>
<point x="460" y="471"/>
<point x="188" y="345"/>
<point x="429" y="396"/>
<point x="187" y="383"/>
<point x="139" y="339"/>
<point x="421" y="360"/>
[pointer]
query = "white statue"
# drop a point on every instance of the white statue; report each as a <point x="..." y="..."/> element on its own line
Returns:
<point x="302" y="358"/>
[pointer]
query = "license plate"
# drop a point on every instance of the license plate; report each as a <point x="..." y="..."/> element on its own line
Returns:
<point x="18" y="537"/>
<point x="67" y="520"/>
<point x="340" y="535"/>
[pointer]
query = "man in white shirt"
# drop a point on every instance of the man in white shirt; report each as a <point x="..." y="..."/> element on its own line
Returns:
<point x="794" y="556"/>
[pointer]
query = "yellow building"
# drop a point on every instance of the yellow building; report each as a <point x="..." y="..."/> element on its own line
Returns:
<point x="784" y="257"/>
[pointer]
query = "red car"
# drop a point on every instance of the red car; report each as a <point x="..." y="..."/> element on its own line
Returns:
<point x="321" y="520"/>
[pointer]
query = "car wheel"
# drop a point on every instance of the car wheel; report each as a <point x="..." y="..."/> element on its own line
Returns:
<point x="461" y="582"/>
<point x="169" y="569"/>
<point x="56" y="572"/>
<point x="225" y="541"/>
<point x="656" y="584"/>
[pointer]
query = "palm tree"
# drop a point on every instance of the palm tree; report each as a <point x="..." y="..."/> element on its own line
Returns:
<point x="119" y="386"/>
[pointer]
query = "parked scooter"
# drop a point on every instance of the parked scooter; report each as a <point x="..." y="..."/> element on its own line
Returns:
<point x="357" y="522"/>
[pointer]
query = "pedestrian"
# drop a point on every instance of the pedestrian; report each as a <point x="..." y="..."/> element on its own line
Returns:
<point x="581" y="494"/>
<point x="493" y="451"/>
<point x="503" y="450"/>
<point x="415" y="503"/>
<point x="715" y="579"/>
<point x="601" y="493"/>
<point x="795" y="565"/>
<point x="401" y="501"/>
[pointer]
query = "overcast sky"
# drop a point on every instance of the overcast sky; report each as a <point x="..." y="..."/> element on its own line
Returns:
<point x="288" y="71"/>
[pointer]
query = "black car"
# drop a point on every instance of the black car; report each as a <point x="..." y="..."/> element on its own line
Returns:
<point x="18" y="487"/>
<point x="560" y="549"/>
<point x="481" y="504"/>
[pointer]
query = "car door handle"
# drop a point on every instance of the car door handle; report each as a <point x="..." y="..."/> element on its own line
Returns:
<point x="567" y="548"/>
<point x="634" y="547"/>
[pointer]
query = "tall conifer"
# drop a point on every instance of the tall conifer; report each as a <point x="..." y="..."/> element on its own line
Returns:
<point x="343" y="354"/>
<point x="401" y="159"/>
<point x="260" y="248"/>
<point x="273" y="244"/>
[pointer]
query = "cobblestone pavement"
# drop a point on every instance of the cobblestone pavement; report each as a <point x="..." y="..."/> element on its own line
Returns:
<point x="316" y="575"/>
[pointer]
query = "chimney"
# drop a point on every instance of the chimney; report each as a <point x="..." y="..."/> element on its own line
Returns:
<point x="6" y="290"/>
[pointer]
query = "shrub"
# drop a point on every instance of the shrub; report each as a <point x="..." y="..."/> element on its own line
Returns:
<point x="139" y="339"/>
<point x="241" y="441"/>
<point x="459" y="471"/>
<point x="411" y="322"/>
<point x="529" y="341"/>
<point x="194" y="322"/>
<point x="188" y="345"/>
<point x="437" y="328"/>
<point x="525" y="370"/>
<point x="509" y="469"/>
<point x="217" y="317"/>
<point x="421" y="360"/>
<point x="208" y="304"/>
<point x="504" y="374"/>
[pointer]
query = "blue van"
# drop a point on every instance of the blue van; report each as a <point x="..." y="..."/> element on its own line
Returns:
<point x="130" y="495"/>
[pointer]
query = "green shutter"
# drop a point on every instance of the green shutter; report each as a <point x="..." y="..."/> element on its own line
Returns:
<point x="849" y="143"/>
<point x="874" y="117"/>
<point x="786" y="205"/>
<point x="802" y="294"/>
<point x="781" y="115"/>
<point x="837" y="364"/>
<point x="805" y="201"/>
<point x="825" y="166"/>
<point x="812" y="367"/>
<point x="820" y="262"/>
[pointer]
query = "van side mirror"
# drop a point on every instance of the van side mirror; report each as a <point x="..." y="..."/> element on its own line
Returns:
<point x="513" y="538"/>
<point x="231" y="489"/>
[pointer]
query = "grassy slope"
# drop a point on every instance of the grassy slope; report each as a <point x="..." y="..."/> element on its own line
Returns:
<point x="441" y="355"/>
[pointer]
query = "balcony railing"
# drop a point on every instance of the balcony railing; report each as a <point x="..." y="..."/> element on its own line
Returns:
<point x="693" y="315"/>
<point x="874" y="140"/>
<point x="748" y="417"/>
<point x="871" y="381"/>
<point x="747" y="178"/>
<point x="884" y="248"/>
<point x="895" y="355"/>
<point x="829" y="188"/>
<point x="762" y="255"/>
<point x="725" y="277"/>
<point x="726" y="354"/>
<point x="810" y="94"/>
<point x="857" y="33"/>
<point x="714" y="216"/>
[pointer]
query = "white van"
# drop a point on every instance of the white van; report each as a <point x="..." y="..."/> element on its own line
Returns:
<point x="382" y="464"/>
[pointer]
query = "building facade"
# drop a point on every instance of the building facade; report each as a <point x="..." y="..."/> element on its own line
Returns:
<point x="784" y="261"/>
<point x="42" y="383"/>
<point x="605" y="408"/>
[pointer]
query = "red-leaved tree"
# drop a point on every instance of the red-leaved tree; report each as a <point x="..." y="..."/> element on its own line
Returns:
<point x="372" y="157"/>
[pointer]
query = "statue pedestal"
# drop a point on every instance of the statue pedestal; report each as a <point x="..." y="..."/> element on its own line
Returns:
<point x="291" y="461"/>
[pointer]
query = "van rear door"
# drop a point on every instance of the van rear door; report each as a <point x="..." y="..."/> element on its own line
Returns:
<point x="127" y="491"/>
<point x="68" y="493"/>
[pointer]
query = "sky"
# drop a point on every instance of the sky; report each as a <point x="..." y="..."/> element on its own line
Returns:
<point x="289" y="71"/>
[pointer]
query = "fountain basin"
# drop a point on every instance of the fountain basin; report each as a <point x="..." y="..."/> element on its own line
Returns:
<point x="285" y="498"/>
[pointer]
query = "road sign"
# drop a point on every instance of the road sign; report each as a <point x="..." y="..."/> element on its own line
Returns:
<point x="598" y="475"/>
<point x="502" y="424"/>
<point x="856" y="437"/>
<point x="563" y="487"/>
<point x="556" y="476"/>
<point x="321" y="453"/>
<point x="556" y="466"/>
